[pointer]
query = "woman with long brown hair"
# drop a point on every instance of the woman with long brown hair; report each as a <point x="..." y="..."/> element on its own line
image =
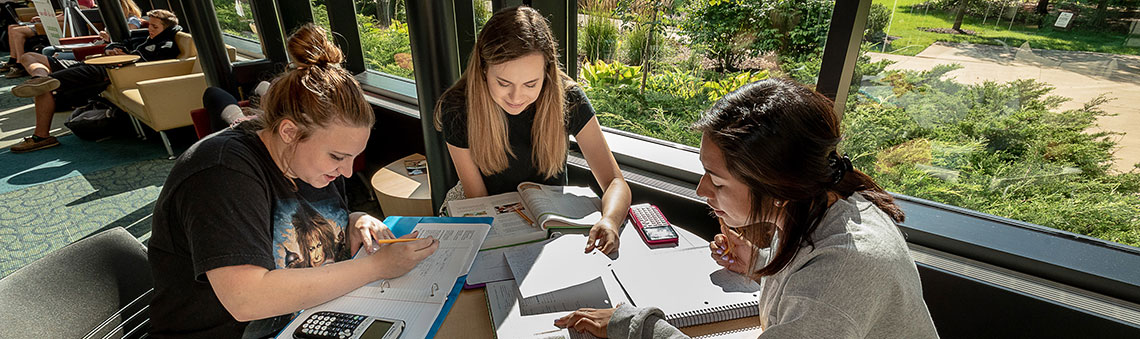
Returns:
<point x="818" y="234"/>
<point x="240" y="204"/>
<point x="509" y="117"/>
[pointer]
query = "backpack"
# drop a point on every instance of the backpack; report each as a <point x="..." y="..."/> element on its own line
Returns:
<point x="97" y="120"/>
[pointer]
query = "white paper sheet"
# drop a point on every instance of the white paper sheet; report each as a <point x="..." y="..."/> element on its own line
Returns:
<point x="489" y="266"/>
<point x="508" y="321"/>
<point x="555" y="264"/>
<point x="461" y="234"/>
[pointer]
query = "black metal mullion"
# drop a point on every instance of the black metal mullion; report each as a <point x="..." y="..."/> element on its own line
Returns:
<point x="269" y="30"/>
<point x="294" y="14"/>
<point x="841" y="51"/>
<point x="212" y="52"/>
<point x="435" y="56"/>
<point x="346" y="32"/>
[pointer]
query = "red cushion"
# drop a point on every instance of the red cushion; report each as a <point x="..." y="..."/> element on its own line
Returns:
<point x="201" y="120"/>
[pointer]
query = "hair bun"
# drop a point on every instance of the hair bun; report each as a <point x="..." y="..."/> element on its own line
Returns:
<point x="309" y="46"/>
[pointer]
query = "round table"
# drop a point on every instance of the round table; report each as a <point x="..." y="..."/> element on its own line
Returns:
<point x="113" y="60"/>
<point x="402" y="187"/>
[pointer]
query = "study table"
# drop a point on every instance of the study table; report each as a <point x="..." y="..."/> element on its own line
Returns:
<point x="470" y="317"/>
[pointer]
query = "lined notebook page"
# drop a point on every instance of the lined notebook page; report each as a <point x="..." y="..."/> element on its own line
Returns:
<point x="688" y="286"/>
<point x="429" y="281"/>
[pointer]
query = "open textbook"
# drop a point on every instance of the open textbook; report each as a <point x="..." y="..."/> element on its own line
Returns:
<point x="417" y="297"/>
<point x="526" y="215"/>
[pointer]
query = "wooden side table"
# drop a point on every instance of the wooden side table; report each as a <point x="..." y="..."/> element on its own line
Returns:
<point x="401" y="190"/>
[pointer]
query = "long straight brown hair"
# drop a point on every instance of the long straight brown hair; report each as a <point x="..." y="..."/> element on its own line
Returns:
<point x="777" y="138"/>
<point x="508" y="35"/>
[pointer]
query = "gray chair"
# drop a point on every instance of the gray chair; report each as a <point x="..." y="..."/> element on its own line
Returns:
<point x="97" y="287"/>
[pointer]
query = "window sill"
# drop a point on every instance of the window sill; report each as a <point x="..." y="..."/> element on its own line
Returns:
<point x="247" y="48"/>
<point x="392" y="87"/>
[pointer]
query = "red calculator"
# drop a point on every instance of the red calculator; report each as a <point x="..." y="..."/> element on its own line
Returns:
<point x="652" y="225"/>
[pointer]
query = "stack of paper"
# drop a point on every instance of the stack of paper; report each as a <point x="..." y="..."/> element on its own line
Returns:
<point x="551" y="279"/>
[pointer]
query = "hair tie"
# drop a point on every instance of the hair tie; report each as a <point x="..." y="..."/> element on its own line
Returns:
<point x="840" y="166"/>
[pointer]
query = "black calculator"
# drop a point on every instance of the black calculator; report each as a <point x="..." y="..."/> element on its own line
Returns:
<point x="336" y="325"/>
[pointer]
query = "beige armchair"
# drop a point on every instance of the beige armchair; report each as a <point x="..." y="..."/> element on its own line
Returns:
<point x="160" y="94"/>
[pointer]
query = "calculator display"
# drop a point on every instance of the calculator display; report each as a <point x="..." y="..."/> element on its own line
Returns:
<point x="656" y="233"/>
<point x="376" y="330"/>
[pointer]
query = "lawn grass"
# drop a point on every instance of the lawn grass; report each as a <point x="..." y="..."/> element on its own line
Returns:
<point x="908" y="18"/>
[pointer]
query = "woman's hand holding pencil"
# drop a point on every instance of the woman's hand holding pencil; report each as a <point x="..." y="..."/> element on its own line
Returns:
<point x="731" y="250"/>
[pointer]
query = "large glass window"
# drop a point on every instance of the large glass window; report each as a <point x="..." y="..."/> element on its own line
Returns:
<point x="652" y="66"/>
<point x="236" y="18"/>
<point x="383" y="35"/>
<point x="1027" y="110"/>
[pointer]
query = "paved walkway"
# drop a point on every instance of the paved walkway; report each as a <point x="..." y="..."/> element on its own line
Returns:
<point x="1080" y="76"/>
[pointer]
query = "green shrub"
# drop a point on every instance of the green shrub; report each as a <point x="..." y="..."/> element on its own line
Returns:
<point x="681" y="83"/>
<point x="601" y="74"/>
<point x="598" y="39"/>
<point x="635" y="41"/>
<point x="725" y="29"/>
<point x="999" y="148"/>
<point x="382" y="47"/>
<point x="877" y="21"/>
<point x="719" y="88"/>
<point x="231" y="22"/>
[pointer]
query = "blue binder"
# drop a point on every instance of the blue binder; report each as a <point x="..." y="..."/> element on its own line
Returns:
<point x="404" y="225"/>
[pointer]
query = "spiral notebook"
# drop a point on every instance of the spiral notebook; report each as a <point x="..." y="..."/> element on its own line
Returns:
<point x="691" y="289"/>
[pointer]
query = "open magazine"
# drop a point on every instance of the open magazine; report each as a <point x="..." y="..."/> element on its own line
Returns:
<point x="526" y="215"/>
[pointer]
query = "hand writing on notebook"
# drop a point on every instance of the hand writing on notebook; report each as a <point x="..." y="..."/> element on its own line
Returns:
<point x="399" y="258"/>
<point x="603" y="236"/>
<point x="366" y="228"/>
<point x="590" y="320"/>
<point x="731" y="250"/>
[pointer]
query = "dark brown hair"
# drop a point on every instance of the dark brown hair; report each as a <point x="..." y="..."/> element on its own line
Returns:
<point x="780" y="139"/>
<point x="167" y="17"/>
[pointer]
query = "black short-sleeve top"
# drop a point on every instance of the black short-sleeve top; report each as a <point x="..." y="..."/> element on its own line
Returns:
<point x="227" y="203"/>
<point x="453" y="111"/>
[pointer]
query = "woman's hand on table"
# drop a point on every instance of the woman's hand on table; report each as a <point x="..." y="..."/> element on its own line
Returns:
<point x="604" y="237"/>
<point x="595" y="321"/>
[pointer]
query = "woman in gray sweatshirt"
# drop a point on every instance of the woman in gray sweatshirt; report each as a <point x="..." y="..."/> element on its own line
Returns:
<point x="819" y="235"/>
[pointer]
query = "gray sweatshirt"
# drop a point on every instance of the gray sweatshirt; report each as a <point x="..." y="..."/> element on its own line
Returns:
<point x="858" y="281"/>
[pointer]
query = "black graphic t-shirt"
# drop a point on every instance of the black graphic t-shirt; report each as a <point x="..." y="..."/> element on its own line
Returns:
<point x="226" y="203"/>
<point x="453" y="111"/>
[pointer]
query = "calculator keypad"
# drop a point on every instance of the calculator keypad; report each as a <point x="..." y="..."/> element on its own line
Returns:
<point x="331" y="325"/>
<point x="648" y="217"/>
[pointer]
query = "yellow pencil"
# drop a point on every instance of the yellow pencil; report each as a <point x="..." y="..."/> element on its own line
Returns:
<point x="523" y="215"/>
<point x="724" y="229"/>
<point x="389" y="241"/>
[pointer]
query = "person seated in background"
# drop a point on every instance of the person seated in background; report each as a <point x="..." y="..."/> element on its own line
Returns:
<point x="223" y="108"/>
<point x="18" y="34"/>
<point x="78" y="82"/>
<point x="820" y="235"/>
<point x="134" y="21"/>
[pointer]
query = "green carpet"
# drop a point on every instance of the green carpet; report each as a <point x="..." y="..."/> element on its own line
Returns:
<point x="72" y="158"/>
<point x="37" y="220"/>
